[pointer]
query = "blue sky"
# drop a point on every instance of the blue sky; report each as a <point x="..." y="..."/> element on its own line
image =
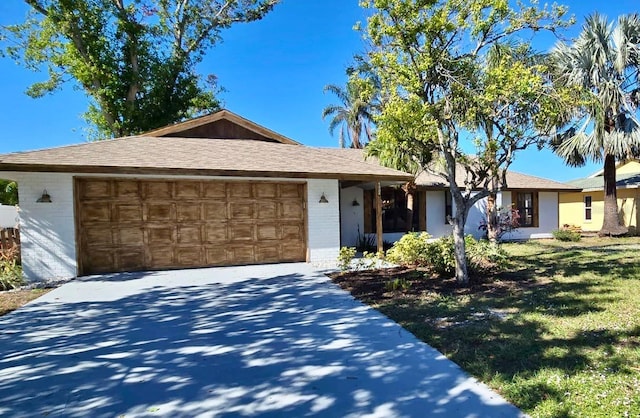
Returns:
<point x="273" y="71"/>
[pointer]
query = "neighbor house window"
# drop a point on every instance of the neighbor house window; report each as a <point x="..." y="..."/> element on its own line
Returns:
<point x="587" y="208"/>
<point x="448" y="207"/>
<point x="527" y="205"/>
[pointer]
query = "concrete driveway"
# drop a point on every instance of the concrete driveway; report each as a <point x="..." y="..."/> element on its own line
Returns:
<point x="277" y="340"/>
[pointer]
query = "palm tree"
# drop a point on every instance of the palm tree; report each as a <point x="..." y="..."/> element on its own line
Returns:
<point x="354" y="114"/>
<point x="603" y="63"/>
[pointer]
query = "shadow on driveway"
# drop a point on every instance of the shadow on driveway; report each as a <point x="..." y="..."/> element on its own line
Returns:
<point x="277" y="340"/>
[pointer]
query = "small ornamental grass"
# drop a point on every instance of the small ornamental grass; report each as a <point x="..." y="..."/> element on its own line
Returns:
<point x="10" y="270"/>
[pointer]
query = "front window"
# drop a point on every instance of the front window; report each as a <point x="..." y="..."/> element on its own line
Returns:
<point x="527" y="205"/>
<point x="587" y="208"/>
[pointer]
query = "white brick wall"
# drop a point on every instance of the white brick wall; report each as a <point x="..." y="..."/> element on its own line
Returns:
<point x="324" y="221"/>
<point x="48" y="229"/>
<point x="8" y="216"/>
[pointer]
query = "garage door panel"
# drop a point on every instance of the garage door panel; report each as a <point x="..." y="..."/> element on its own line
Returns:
<point x="133" y="224"/>
<point x="241" y="210"/>
<point x="241" y="231"/>
<point x="187" y="190"/>
<point x="268" y="231"/>
<point x="160" y="190"/>
<point x="130" y="258"/>
<point x="267" y="253"/>
<point x="124" y="212"/>
<point x="96" y="212"/>
<point x="189" y="256"/>
<point x="161" y="235"/>
<point x="189" y="235"/>
<point x="293" y="251"/>
<point x="291" y="190"/>
<point x="161" y="256"/>
<point x="266" y="190"/>
<point x="214" y="190"/>
<point x="189" y="211"/>
<point x="243" y="254"/>
<point x="215" y="210"/>
<point x="291" y="210"/>
<point x="240" y="190"/>
<point x="96" y="189"/>
<point x="100" y="261"/>
<point x="129" y="235"/>
<point x="127" y="189"/>
<point x="215" y="256"/>
<point x="160" y="212"/>
<point x="99" y="235"/>
<point x="292" y="232"/>
<point x="216" y="232"/>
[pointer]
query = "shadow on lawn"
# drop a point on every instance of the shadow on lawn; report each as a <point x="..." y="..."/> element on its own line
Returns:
<point x="289" y="345"/>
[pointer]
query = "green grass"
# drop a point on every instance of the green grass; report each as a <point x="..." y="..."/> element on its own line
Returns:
<point x="558" y="335"/>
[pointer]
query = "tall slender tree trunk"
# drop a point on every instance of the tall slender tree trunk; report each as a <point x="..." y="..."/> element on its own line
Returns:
<point x="462" y="274"/>
<point x="611" y="226"/>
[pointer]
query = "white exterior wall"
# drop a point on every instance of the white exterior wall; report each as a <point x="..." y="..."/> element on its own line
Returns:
<point x="351" y="217"/>
<point x="9" y="216"/>
<point x="48" y="229"/>
<point x="547" y="217"/>
<point x="436" y="223"/>
<point x="324" y="221"/>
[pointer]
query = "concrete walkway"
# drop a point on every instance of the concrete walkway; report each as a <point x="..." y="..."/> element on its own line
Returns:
<point x="277" y="340"/>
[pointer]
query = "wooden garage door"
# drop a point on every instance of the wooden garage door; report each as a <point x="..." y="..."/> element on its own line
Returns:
<point x="131" y="224"/>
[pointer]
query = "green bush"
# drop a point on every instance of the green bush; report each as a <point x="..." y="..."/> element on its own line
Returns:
<point x="486" y="257"/>
<point x="566" y="235"/>
<point x="10" y="275"/>
<point x="410" y="250"/>
<point x="415" y="250"/>
<point x="345" y="256"/>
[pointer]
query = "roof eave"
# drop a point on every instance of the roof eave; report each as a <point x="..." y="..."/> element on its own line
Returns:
<point x="118" y="170"/>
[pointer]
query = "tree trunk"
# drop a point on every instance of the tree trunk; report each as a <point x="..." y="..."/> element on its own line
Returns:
<point x="462" y="275"/>
<point x="492" y="218"/>
<point x="611" y="226"/>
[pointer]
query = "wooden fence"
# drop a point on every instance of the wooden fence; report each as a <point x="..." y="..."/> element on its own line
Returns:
<point x="10" y="237"/>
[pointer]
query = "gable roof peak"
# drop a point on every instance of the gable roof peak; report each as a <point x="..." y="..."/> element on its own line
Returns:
<point x="236" y="127"/>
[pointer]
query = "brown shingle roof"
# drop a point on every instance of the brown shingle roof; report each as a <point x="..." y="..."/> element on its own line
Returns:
<point x="170" y="155"/>
<point x="515" y="180"/>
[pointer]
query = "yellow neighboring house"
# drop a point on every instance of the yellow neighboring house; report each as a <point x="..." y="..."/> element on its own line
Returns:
<point x="586" y="208"/>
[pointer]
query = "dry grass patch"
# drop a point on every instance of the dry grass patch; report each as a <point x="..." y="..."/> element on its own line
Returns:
<point x="12" y="300"/>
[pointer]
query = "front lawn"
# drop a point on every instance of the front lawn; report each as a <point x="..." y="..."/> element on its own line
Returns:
<point x="559" y="335"/>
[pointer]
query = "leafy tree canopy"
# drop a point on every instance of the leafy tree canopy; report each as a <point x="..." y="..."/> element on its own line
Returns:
<point x="135" y="59"/>
<point x="8" y="192"/>
<point x="461" y="70"/>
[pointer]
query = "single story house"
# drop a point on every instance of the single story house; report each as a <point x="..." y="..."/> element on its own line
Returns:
<point x="585" y="207"/>
<point x="222" y="190"/>
<point x="215" y="190"/>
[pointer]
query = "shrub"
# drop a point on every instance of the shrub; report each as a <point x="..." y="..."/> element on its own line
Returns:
<point x="507" y="221"/>
<point x="10" y="271"/>
<point x="397" y="284"/>
<point x="441" y="256"/>
<point x="566" y="234"/>
<point x="345" y="256"/>
<point x="410" y="250"/>
<point x="485" y="257"/>
<point x="366" y="242"/>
